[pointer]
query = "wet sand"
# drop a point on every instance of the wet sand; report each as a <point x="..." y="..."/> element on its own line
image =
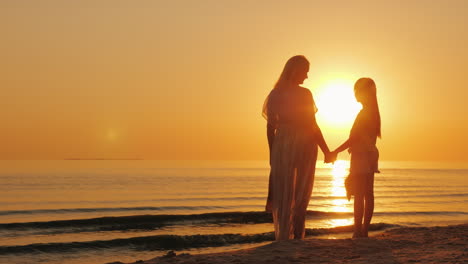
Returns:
<point x="447" y="244"/>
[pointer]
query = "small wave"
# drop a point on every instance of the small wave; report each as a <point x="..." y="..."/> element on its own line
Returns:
<point x="150" y="222"/>
<point x="104" y="209"/>
<point x="170" y="242"/>
<point x="153" y="222"/>
<point x="435" y="195"/>
<point x="144" y="221"/>
<point x="423" y="213"/>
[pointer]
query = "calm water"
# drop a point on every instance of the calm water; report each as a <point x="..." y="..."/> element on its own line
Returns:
<point x="103" y="211"/>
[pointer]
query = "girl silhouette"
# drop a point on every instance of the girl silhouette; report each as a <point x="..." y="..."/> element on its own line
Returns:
<point x="364" y="155"/>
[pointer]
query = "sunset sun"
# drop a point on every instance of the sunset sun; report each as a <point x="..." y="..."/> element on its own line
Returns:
<point x="111" y="135"/>
<point x="336" y="103"/>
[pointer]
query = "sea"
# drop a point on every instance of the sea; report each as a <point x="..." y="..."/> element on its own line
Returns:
<point x="103" y="211"/>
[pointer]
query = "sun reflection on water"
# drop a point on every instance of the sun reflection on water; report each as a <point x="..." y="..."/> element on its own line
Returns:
<point x="341" y="222"/>
<point x="340" y="205"/>
<point x="339" y="172"/>
<point x="338" y="192"/>
<point x="336" y="202"/>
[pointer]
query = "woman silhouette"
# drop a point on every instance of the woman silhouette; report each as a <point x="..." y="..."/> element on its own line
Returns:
<point x="364" y="155"/>
<point x="293" y="136"/>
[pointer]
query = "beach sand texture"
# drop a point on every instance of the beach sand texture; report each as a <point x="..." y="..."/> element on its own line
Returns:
<point x="403" y="245"/>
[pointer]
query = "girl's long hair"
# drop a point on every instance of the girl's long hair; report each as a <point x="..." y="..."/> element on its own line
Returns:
<point x="367" y="87"/>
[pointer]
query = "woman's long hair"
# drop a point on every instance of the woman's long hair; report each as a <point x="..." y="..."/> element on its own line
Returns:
<point x="367" y="88"/>
<point x="294" y="64"/>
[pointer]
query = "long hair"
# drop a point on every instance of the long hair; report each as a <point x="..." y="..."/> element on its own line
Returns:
<point x="294" y="64"/>
<point x="367" y="87"/>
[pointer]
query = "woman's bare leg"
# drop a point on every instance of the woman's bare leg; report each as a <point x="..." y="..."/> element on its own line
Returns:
<point x="270" y="195"/>
<point x="304" y="186"/>
<point x="299" y="225"/>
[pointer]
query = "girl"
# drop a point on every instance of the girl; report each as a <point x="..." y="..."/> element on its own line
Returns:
<point x="364" y="155"/>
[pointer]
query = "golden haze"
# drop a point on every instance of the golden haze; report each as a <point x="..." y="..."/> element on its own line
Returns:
<point x="186" y="79"/>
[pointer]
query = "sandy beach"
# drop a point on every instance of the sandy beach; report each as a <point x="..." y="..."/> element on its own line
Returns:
<point x="447" y="244"/>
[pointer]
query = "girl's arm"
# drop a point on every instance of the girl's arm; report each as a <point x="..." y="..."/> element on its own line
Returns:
<point x="343" y="147"/>
<point x="356" y="129"/>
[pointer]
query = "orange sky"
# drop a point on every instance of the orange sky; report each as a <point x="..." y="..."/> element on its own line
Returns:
<point x="187" y="79"/>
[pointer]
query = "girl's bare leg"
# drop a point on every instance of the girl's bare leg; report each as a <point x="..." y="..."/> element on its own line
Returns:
<point x="369" y="206"/>
<point x="368" y="212"/>
<point x="358" y="214"/>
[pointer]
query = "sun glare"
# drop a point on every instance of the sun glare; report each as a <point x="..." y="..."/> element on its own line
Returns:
<point x="340" y="169"/>
<point x="336" y="103"/>
<point x="111" y="135"/>
<point x="338" y="173"/>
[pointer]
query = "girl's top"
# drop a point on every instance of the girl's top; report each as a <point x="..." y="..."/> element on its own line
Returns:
<point x="363" y="134"/>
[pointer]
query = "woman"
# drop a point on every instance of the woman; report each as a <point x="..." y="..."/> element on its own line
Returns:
<point x="293" y="136"/>
<point x="364" y="155"/>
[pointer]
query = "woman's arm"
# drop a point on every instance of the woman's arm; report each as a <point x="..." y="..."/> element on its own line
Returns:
<point x="320" y="140"/>
<point x="271" y="137"/>
<point x="310" y="110"/>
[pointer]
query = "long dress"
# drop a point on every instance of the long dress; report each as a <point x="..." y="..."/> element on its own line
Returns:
<point x="293" y="156"/>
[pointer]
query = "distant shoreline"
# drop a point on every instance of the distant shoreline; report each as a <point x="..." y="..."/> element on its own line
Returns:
<point x="102" y="159"/>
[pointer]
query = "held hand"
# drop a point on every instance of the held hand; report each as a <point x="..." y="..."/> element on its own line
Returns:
<point x="331" y="157"/>
<point x="334" y="156"/>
